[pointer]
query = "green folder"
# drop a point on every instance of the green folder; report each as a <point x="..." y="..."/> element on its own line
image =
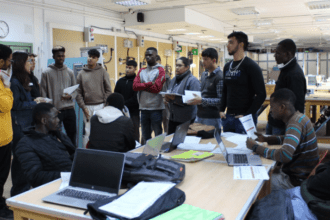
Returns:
<point x="192" y="156"/>
<point x="189" y="212"/>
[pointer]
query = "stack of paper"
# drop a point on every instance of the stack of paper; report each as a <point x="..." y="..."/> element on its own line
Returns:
<point x="198" y="147"/>
<point x="137" y="200"/>
<point x="190" y="212"/>
<point x="250" y="173"/>
<point x="192" y="156"/>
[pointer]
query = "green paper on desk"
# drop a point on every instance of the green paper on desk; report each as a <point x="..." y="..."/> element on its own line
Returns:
<point x="192" y="156"/>
<point x="190" y="212"/>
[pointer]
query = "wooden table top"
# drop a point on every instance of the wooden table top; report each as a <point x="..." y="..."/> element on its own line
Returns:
<point x="208" y="184"/>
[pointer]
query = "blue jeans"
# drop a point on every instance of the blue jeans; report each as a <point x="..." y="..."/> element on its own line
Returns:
<point x="216" y="122"/>
<point x="272" y="130"/>
<point x="232" y="124"/>
<point x="151" y="120"/>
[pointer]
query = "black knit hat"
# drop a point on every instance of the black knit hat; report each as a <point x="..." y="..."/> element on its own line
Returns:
<point x="116" y="100"/>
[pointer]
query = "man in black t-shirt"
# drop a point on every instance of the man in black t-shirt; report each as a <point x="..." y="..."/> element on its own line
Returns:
<point x="243" y="88"/>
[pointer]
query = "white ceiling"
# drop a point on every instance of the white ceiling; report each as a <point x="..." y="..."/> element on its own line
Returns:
<point x="290" y="19"/>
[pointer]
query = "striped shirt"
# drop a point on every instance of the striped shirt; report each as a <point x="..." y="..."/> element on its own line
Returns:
<point x="299" y="152"/>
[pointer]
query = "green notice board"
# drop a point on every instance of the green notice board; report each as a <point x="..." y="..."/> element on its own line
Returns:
<point x="18" y="46"/>
<point x="194" y="51"/>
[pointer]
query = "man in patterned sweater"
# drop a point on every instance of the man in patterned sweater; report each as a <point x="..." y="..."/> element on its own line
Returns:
<point x="299" y="152"/>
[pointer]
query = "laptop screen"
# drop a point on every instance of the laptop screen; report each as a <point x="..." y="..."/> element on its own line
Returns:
<point x="180" y="134"/>
<point x="98" y="170"/>
<point x="217" y="135"/>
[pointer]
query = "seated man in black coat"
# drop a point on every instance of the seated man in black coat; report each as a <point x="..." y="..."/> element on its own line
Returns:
<point x="44" y="152"/>
<point x="110" y="129"/>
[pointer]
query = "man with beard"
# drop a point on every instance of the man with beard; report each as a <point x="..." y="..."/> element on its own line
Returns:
<point x="243" y="88"/>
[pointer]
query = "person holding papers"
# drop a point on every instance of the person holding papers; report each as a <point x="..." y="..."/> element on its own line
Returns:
<point x="299" y="153"/>
<point x="243" y="87"/>
<point x="211" y="88"/>
<point x="94" y="89"/>
<point x="183" y="80"/>
<point x="54" y="80"/>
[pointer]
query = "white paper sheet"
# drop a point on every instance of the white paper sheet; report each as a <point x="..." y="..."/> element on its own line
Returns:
<point x="192" y="140"/>
<point x="190" y="95"/>
<point x="65" y="176"/>
<point x="249" y="126"/>
<point x="70" y="89"/>
<point x="133" y="203"/>
<point x="250" y="173"/>
<point x="198" y="147"/>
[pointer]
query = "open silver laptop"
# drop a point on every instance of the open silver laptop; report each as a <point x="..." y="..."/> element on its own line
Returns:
<point x="236" y="159"/>
<point x="95" y="175"/>
<point x="178" y="137"/>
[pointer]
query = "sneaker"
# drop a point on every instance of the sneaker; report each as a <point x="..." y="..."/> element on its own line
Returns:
<point x="6" y="214"/>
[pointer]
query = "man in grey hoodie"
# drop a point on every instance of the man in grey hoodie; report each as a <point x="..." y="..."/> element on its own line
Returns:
<point x="149" y="82"/>
<point x="54" y="80"/>
<point x="94" y="88"/>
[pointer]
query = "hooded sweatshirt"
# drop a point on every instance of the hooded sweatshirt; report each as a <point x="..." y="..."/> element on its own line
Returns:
<point x="111" y="131"/>
<point x="149" y="82"/>
<point x="53" y="81"/>
<point x="94" y="86"/>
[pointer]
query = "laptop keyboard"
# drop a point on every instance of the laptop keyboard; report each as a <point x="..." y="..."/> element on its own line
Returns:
<point x="82" y="195"/>
<point x="240" y="158"/>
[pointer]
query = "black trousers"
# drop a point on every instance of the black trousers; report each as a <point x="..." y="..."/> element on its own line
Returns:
<point x="20" y="183"/>
<point x="5" y="159"/>
<point x="173" y="124"/>
<point x="135" y="117"/>
<point x="68" y="117"/>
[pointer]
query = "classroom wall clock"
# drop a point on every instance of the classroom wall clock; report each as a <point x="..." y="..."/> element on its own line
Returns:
<point x="4" y="29"/>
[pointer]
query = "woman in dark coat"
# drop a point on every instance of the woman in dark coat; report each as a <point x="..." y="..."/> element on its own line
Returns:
<point x="21" y="114"/>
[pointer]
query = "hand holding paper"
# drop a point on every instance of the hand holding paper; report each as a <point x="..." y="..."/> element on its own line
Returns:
<point x="70" y="89"/>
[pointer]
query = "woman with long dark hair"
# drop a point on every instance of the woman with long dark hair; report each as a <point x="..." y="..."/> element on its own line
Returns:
<point x="21" y="114"/>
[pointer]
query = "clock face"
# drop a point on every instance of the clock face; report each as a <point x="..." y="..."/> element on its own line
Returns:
<point x="4" y="29"/>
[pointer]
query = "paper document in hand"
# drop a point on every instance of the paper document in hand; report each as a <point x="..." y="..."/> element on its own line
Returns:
<point x="249" y="126"/>
<point x="71" y="89"/>
<point x="250" y="173"/>
<point x="134" y="202"/>
<point x="190" y="95"/>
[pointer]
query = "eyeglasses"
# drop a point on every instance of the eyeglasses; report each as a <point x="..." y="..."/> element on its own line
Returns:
<point x="29" y="60"/>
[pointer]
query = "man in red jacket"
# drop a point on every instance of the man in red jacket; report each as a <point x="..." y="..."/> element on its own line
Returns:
<point x="149" y="82"/>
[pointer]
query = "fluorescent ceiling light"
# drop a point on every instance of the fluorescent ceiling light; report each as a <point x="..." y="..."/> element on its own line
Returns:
<point x="245" y="11"/>
<point x="192" y="33"/>
<point x="177" y="30"/>
<point x="206" y="36"/>
<point x="216" y="39"/>
<point x="132" y="3"/>
<point x="263" y="22"/>
<point x="322" y="18"/>
<point x="318" y="5"/>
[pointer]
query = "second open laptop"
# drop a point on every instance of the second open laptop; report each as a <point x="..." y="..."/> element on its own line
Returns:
<point x="236" y="159"/>
<point x="95" y="175"/>
<point x="178" y="137"/>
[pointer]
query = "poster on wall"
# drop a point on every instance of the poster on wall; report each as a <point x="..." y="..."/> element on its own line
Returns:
<point x="18" y="46"/>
